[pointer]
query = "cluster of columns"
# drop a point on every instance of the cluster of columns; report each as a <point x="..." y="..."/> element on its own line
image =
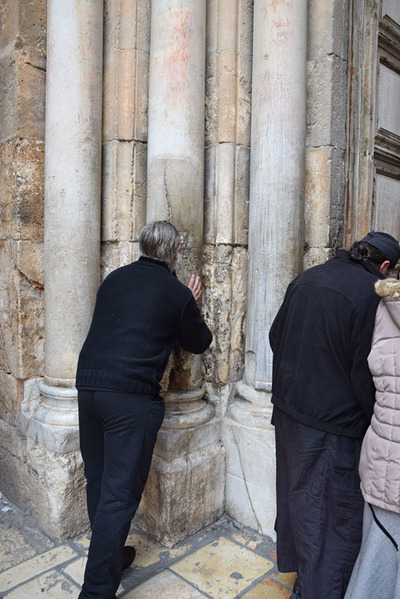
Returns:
<point x="278" y="146"/>
<point x="189" y="448"/>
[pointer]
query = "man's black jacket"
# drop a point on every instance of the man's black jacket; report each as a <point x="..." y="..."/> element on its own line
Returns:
<point x="141" y="311"/>
<point x="320" y="339"/>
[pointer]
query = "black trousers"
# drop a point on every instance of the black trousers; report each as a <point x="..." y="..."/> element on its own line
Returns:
<point x="118" y="432"/>
<point x="319" y="507"/>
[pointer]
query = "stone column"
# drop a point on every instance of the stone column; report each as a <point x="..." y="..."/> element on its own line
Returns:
<point x="275" y="246"/>
<point x="184" y="491"/>
<point x="72" y="209"/>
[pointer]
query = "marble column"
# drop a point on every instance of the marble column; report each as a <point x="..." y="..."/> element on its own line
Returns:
<point x="185" y="487"/>
<point x="275" y="247"/>
<point x="72" y="209"/>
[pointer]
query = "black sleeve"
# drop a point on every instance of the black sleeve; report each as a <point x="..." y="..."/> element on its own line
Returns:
<point x="193" y="333"/>
<point x="361" y="340"/>
<point x="275" y="330"/>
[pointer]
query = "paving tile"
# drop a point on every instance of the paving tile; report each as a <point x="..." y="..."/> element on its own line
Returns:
<point x="35" y="566"/>
<point x="251" y="544"/>
<point x="268" y="589"/>
<point x="222" y="568"/>
<point x="83" y="540"/>
<point x="13" y="548"/>
<point x="52" y="584"/>
<point x="166" y="585"/>
<point x="287" y="579"/>
<point x="76" y="570"/>
<point x="147" y="551"/>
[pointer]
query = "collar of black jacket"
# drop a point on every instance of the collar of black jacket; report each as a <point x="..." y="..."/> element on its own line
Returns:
<point x="368" y="265"/>
<point x="153" y="261"/>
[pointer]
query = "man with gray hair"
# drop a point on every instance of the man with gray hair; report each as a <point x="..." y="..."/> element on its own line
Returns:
<point x="141" y="312"/>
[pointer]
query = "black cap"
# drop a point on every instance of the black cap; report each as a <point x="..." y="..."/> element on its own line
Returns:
<point x="386" y="244"/>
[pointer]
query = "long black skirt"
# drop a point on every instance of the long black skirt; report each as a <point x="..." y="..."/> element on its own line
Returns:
<point x="319" y="507"/>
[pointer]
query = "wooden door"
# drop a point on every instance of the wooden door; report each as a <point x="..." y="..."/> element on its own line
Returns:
<point x="373" y="183"/>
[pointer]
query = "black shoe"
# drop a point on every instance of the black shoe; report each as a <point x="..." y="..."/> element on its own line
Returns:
<point x="129" y="554"/>
<point x="296" y="590"/>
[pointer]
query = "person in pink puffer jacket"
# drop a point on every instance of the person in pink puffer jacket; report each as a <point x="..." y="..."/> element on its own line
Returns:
<point x="376" y="573"/>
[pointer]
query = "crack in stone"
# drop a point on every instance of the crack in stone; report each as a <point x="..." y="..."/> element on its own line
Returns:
<point x="245" y="483"/>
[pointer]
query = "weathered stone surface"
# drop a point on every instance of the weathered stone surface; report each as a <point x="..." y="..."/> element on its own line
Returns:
<point x="29" y="404"/>
<point x="114" y="255"/>
<point x="8" y="23"/>
<point x="250" y="455"/>
<point x="242" y="191"/>
<point x="11" y="390"/>
<point x="171" y="508"/>
<point x="324" y="206"/>
<point x="328" y="28"/>
<point x="22" y="95"/>
<point x="177" y="443"/>
<point x="8" y="194"/>
<point x="31" y="93"/>
<point x="228" y="79"/>
<point x="21" y="324"/>
<point x="227" y="178"/>
<point x="238" y="312"/>
<point x="224" y="297"/>
<point x="124" y="190"/>
<point x="244" y="71"/>
<point x="21" y="201"/>
<point x="32" y="24"/>
<point x="48" y="486"/>
<point x="8" y="96"/>
<point x="126" y="69"/>
<point x="327" y="102"/>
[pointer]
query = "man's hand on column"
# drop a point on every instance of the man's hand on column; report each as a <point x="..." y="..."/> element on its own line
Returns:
<point x="195" y="286"/>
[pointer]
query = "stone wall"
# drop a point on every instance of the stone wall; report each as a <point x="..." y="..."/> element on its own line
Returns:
<point x="328" y="42"/>
<point x="50" y="485"/>
<point x="22" y="100"/>
<point x="47" y="485"/>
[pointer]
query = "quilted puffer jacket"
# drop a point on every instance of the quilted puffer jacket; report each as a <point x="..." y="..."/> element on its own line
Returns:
<point x="380" y="453"/>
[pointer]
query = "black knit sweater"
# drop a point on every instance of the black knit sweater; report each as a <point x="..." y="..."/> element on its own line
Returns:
<point x="141" y="311"/>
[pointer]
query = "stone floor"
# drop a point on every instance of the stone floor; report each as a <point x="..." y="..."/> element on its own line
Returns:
<point x="222" y="561"/>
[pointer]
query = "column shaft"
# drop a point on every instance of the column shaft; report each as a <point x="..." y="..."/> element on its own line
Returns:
<point x="176" y="120"/>
<point x="188" y="462"/>
<point x="275" y="247"/>
<point x="277" y="171"/>
<point x="72" y="207"/>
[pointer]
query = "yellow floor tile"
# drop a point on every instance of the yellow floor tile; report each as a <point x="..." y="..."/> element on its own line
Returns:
<point x="165" y="585"/>
<point x="268" y="589"/>
<point x="222" y="568"/>
<point x="287" y="579"/>
<point x="83" y="540"/>
<point x="35" y="566"/>
<point x="147" y="552"/>
<point x="13" y="548"/>
<point x="51" y="585"/>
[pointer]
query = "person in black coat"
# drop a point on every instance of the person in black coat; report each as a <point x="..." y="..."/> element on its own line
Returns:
<point x="323" y="397"/>
<point x="141" y="312"/>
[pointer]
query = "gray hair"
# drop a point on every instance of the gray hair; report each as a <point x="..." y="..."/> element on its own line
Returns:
<point x="159" y="240"/>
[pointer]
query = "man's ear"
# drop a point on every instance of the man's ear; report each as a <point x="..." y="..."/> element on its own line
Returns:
<point x="385" y="267"/>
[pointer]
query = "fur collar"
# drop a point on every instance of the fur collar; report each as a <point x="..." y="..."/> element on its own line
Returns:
<point x="388" y="288"/>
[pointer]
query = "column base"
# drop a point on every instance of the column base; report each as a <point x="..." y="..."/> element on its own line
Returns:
<point x="249" y="441"/>
<point x="48" y="484"/>
<point x="185" y="488"/>
<point x="55" y="424"/>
